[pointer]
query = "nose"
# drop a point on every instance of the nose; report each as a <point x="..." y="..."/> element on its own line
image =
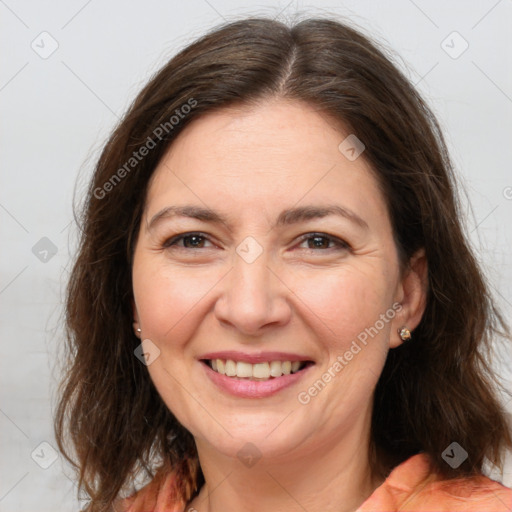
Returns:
<point x="253" y="298"/>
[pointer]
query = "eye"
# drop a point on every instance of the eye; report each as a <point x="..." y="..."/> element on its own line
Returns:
<point x="314" y="241"/>
<point x="190" y="241"/>
<point x="324" y="242"/>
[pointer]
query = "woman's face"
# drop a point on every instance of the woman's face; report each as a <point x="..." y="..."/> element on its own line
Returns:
<point x="278" y="249"/>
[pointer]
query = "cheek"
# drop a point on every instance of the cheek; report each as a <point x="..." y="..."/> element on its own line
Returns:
<point x="344" y="302"/>
<point x="169" y="300"/>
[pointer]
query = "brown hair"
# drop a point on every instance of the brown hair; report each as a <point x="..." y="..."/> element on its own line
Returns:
<point x="434" y="390"/>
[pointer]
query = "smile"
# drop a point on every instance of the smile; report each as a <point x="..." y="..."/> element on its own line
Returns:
<point x="257" y="372"/>
<point x="259" y="379"/>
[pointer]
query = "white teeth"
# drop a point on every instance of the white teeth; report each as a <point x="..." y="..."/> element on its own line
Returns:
<point x="275" y="369"/>
<point x="261" y="371"/>
<point x="242" y="369"/>
<point x="230" y="368"/>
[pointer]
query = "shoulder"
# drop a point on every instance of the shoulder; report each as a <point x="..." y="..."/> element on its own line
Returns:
<point x="473" y="494"/>
<point x="411" y="487"/>
<point x="162" y="493"/>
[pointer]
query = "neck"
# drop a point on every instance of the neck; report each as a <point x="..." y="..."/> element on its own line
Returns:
<point x="333" y="477"/>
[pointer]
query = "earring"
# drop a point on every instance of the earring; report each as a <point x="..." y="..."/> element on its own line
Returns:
<point x="405" y="334"/>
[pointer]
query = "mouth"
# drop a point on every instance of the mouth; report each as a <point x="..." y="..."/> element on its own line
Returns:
<point x="261" y="371"/>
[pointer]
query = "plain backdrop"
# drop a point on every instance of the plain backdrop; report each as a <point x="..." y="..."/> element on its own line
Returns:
<point x="69" y="71"/>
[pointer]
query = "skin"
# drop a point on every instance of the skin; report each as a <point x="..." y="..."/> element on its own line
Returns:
<point x="249" y="164"/>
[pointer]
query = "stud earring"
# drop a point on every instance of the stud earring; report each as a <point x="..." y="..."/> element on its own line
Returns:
<point x="405" y="334"/>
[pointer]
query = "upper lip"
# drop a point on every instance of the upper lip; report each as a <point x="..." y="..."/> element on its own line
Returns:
<point x="255" y="357"/>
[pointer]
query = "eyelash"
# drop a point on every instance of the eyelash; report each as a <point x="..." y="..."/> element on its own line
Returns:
<point x="339" y="244"/>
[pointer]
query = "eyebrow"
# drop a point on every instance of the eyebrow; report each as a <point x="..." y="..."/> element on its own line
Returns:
<point x="286" y="217"/>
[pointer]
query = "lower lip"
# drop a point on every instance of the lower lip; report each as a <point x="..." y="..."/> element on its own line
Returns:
<point x="245" y="388"/>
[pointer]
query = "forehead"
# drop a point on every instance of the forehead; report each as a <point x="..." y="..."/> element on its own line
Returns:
<point x="271" y="156"/>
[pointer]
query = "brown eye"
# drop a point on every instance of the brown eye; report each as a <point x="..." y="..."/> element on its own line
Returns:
<point x="187" y="241"/>
<point x="323" y="241"/>
<point x="318" y="242"/>
<point x="193" y="241"/>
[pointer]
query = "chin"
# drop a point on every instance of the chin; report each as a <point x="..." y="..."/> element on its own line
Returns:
<point x="257" y="436"/>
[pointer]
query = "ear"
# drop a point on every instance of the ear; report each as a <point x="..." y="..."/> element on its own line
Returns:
<point x="412" y="295"/>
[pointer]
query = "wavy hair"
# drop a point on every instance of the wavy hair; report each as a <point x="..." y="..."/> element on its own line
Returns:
<point x="111" y="423"/>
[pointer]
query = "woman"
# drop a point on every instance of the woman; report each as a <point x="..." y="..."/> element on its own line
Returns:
<point x="274" y="305"/>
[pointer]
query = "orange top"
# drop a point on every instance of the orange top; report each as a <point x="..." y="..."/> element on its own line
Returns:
<point x="410" y="487"/>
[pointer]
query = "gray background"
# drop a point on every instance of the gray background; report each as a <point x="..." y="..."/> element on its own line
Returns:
<point x="58" y="109"/>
